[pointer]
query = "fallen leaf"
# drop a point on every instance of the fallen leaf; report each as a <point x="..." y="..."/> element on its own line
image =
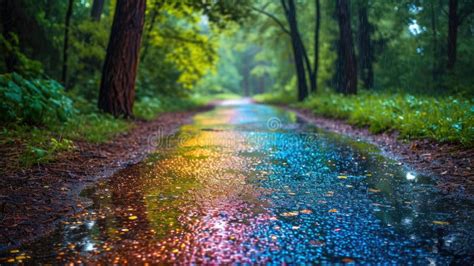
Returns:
<point x="374" y="190"/>
<point x="347" y="260"/>
<point x="316" y="243"/>
<point x="440" y="222"/>
<point x="306" y="211"/>
<point x="342" y="177"/>
<point x="290" y="214"/>
<point x="333" y="210"/>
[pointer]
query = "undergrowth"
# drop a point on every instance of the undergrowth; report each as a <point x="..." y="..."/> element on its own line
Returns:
<point x="275" y="98"/>
<point x="447" y="119"/>
<point x="39" y="120"/>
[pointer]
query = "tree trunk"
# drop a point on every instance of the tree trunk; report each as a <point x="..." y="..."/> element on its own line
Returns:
<point x="452" y="33"/>
<point x="146" y="38"/>
<point x="346" y="53"/>
<point x="314" y="87"/>
<point x="96" y="11"/>
<point x="117" y="88"/>
<point x="298" y="55"/>
<point x="365" y="46"/>
<point x="435" y="57"/>
<point x="67" y="22"/>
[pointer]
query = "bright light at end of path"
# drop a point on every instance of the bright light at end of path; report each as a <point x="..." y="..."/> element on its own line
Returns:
<point x="410" y="176"/>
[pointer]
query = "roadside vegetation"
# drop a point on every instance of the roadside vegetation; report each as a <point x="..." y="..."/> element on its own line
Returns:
<point x="39" y="119"/>
<point x="443" y="119"/>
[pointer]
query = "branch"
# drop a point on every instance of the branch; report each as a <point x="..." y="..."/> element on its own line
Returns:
<point x="445" y="11"/>
<point x="273" y="17"/>
<point x="181" y="38"/>
<point x="285" y="6"/>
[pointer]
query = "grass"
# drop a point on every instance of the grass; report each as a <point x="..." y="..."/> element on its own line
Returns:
<point x="29" y="144"/>
<point x="447" y="119"/>
<point x="275" y="98"/>
<point x="35" y="144"/>
<point x="149" y="108"/>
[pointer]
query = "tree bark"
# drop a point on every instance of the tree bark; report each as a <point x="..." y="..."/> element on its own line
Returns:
<point x="346" y="53"/>
<point x="67" y="22"/>
<point x="298" y="54"/>
<point x="453" y="23"/>
<point x="434" y="63"/>
<point x="366" y="56"/>
<point x="117" y="89"/>
<point x="314" y="86"/>
<point x="96" y="11"/>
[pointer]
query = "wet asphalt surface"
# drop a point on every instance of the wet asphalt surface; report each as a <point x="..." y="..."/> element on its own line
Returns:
<point x="251" y="183"/>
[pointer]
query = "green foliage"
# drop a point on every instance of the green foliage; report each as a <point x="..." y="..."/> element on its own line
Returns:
<point x="36" y="102"/>
<point x="149" y="108"/>
<point x="276" y="98"/>
<point x="44" y="152"/>
<point x="37" y="145"/>
<point x="86" y="56"/>
<point x="24" y="65"/>
<point x="95" y="127"/>
<point x="447" y="119"/>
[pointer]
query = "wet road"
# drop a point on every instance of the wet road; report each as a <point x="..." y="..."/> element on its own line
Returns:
<point x="251" y="183"/>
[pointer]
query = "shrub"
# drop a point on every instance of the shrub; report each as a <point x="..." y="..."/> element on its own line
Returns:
<point x="35" y="102"/>
<point x="148" y="108"/>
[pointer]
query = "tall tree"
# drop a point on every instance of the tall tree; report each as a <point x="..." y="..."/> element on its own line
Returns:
<point x="300" y="54"/>
<point x="314" y="86"/>
<point x="117" y="89"/>
<point x="365" y="46"/>
<point x="453" y="23"/>
<point x="346" y="49"/>
<point x="96" y="11"/>
<point x="298" y="50"/>
<point x="456" y="17"/>
<point x="434" y="40"/>
<point x="67" y="23"/>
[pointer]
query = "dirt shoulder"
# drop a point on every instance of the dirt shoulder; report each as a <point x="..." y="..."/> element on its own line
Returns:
<point x="452" y="165"/>
<point x="33" y="201"/>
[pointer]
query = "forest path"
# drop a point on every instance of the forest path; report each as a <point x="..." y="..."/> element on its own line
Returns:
<point x="252" y="183"/>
